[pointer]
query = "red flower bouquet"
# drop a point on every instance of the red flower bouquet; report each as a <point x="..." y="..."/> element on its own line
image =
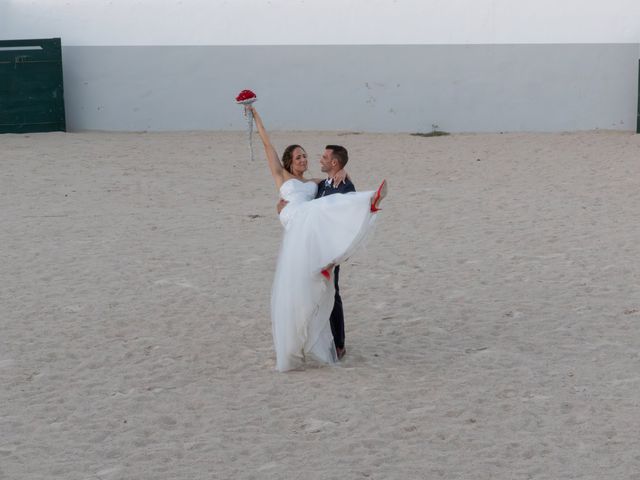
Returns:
<point x="246" y="98"/>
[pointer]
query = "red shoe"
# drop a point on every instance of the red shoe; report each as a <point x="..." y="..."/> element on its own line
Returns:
<point x="326" y="274"/>
<point x="380" y="194"/>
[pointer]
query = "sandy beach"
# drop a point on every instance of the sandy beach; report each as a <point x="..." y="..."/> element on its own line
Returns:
<point x="492" y="322"/>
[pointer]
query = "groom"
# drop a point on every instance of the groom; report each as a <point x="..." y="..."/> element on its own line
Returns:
<point x="334" y="159"/>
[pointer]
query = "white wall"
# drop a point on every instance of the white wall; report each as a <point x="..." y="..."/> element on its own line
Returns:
<point x="321" y="22"/>
<point x="390" y="88"/>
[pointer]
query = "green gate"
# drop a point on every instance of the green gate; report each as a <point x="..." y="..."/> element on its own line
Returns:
<point x="31" y="93"/>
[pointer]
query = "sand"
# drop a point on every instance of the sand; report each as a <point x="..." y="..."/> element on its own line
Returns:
<point x="492" y="325"/>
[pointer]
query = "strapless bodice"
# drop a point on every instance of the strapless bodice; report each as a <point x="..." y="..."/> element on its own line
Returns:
<point x="295" y="191"/>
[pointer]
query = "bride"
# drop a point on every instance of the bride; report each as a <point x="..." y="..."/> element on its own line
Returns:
<point x="318" y="234"/>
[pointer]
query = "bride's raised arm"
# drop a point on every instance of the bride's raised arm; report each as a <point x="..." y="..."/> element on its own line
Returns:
<point x="277" y="170"/>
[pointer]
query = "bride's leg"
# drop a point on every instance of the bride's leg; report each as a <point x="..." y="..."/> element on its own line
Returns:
<point x="379" y="195"/>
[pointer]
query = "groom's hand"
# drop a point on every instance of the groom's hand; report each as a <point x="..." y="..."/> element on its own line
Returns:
<point x="281" y="204"/>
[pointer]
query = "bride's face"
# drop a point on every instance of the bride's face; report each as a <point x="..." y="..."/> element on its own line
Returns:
<point x="299" y="161"/>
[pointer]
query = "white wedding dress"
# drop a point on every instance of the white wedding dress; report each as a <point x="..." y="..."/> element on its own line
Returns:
<point x="316" y="233"/>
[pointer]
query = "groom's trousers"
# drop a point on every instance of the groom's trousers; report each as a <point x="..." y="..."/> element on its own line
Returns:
<point x="337" y="316"/>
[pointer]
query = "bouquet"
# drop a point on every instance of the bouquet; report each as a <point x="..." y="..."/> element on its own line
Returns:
<point x="246" y="98"/>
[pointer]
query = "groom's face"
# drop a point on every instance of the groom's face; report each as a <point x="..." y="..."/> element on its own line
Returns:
<point x="327" y="162"/>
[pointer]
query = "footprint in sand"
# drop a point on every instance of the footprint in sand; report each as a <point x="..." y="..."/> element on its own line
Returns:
<point x="109" y="473"/>
<point x="313" y="425"/>
<point x="7" y="362"/>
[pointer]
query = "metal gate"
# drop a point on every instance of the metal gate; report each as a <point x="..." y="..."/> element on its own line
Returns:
<point x="31" y="92"/>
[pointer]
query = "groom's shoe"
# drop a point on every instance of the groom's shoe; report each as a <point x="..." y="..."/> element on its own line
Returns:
<point x="341" y="352"/>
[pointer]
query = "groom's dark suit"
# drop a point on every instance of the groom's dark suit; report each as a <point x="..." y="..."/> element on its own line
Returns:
<point x="337" y="317"/>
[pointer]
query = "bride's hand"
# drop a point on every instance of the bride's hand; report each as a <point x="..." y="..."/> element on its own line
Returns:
<point x="339" y="177"/>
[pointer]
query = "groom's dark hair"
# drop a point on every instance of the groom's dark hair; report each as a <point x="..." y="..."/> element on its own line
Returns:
<point x="339" y="153"/>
